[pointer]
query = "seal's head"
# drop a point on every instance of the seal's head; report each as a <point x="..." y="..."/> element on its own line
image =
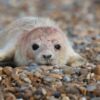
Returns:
<point x="45" y="45"/>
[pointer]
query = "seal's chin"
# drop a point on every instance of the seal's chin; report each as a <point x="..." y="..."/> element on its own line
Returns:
<point x="48" y="63"/>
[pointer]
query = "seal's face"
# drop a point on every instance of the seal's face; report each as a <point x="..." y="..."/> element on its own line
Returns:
<point x="47" y="46"/>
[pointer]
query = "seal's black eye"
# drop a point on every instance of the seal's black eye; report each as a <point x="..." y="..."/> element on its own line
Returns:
<point x="57" y="46"/>
<point x="35" y="46"/>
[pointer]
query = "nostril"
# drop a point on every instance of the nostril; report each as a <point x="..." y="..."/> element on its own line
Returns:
<point x="47" y="56"/>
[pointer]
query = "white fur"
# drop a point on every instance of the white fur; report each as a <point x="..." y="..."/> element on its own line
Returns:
<point x="10" y="36"/>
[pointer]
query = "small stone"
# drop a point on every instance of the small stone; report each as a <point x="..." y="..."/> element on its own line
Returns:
<point x="91" y="88"/>
<point x="38" y="74"/>
<point x="90" y="76"/>
<point x="1" y="69"/>
<point x="77" y="70"/>
<point x="7" y="70"/>
<point x="38" y="94"/>
<point x="64" y="97"/>
<point x="10" y="96"/>
<point x="0" y="78"/>
<point x="57" y="71"/>
<point x="98" y="58"/>
<point x="52" y="98"/>
<point x="82" y="90"/>
<point x="71" y="89"/>
<point x="97" y="77"/>
<point x="27" y="93"/>
<point x="83" y="98"/>
<point x="57" y="76"/>
<point x="95" y="98"/>
<point x="84" y="71"/>
<point x="32" y="68"/>
<point x="44" y="91"/>
<point x="68" y="70"/>
<point x="49" y="79"/>
<point x="66" y="78"/>
<point x="97" y="90"/>
<point x="25" y="78"/>
<point x="57" y="84"/>
<point x="56" y="94"/>
<point x="20" y="99"/>
<point x="97" y="70"/>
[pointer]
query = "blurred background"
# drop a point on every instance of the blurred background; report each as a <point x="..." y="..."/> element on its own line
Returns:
<point x="74" y="16"/>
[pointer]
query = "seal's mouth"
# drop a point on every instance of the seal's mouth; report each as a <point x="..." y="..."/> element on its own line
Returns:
<point x="47" y="62"/>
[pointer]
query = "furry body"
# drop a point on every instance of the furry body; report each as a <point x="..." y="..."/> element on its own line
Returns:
<point x="17" y="39"/>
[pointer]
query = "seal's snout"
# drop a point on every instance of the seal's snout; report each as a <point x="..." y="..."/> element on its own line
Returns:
<point x="46" y="57"/>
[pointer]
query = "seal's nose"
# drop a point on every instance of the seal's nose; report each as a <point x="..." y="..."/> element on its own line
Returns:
<point x="47" y="56"/>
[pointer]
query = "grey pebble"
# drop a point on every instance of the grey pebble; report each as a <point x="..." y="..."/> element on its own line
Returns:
<point x="49" y="79"/>
<point x="91" y="87"/>
<point x="57" y="71"/>
<point x="66" y="78"/>
<point x="98" y="57"/>
<point x="96" y="98"/>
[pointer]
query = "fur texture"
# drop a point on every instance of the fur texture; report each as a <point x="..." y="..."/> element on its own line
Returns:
<point x="17" y="39"/>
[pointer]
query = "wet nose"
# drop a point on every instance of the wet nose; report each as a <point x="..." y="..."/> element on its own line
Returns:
<point x="47" y="56"/>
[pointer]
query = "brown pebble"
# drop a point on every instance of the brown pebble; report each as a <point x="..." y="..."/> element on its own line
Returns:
<point x="97" y="70"/>
<point x="7" y="70"/>
<point x="64" y="97"/>
<point x="28" y="93"/>
<point x="9" y="96"/>
<point x="1" y="69"/>
<point x="58" y="76"/>
<point x="97" y="90"/>
<point x="97" y="77"/>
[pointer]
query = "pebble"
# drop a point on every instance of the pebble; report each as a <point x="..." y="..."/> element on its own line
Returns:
<point x="49" y="79"/>
<point x="91" y="88"/>
<point x="8" y="70"/>
<point x="0" y="78"/>
<point x="97" y="90"/>
<point x="95" y="98"/>
<point x="25" y="78"/>
<point x="72" y="90"/>
<point x="77" y="70"/>
<point x="90" y="76"/>
<point x="10" y="96"/>
<point x="56" y="94"/>
<point x="38" y="74"/>
<point x="32" y="67"/>
<point x="68" y="70"/>
<point x="57" y="71"/>
<point x="58" y="84"/>
<point x="57" y="76"/>
<point x="44" y="91"/>
<point x="1" y="70"/>
<point x="98" y="58"/>
<point x="97" y="77"/>
<point x="97" y="70"/>
<point x="38" y="94"/>
<point x="64" y="97"/>
<point x="52" y="98"/>
<point x="83" y="98"/>
<point x="66" y="78"/>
